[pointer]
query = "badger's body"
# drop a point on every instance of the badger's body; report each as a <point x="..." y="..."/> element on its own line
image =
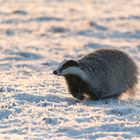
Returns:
<point x="101" y="74"/>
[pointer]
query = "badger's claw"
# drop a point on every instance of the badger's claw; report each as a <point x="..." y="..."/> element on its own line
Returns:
<point x="79" y="96"/>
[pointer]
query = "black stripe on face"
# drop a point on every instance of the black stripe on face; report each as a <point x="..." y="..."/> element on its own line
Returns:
<point x="69" y="63"/>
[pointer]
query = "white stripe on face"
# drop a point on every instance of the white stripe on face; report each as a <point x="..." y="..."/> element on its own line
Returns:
<point x="75" y="71"/>
<point x="61" y="64"/>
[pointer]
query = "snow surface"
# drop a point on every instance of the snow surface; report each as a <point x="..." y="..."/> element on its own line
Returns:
<point x="35" y="35"/>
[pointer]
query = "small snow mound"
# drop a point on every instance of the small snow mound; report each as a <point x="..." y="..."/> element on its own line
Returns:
<point x="20" y="12"/>
<point x="55" y="121"/>
<point x="29" y="98"/>
<point x="121" y="111"/>
<point x="4" y="114"/>
<point x="59" y="30"/>
<point x="7" y="89"/>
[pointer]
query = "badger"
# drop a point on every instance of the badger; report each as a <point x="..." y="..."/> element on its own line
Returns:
<point x="103" y="73"/>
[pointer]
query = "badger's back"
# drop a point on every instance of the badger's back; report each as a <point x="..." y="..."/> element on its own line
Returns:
<point x="110" y="72"/>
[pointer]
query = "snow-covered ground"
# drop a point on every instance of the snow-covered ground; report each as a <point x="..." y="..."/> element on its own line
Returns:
<point x="35" y="35"/>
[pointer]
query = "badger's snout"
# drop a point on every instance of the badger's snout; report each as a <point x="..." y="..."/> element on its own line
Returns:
<point x="56" y="72"/>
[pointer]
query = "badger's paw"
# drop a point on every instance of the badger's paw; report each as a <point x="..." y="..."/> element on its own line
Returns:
<point x="78" y="96"/>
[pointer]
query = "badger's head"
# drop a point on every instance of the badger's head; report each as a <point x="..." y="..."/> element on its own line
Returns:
<point x="70" y="67"/>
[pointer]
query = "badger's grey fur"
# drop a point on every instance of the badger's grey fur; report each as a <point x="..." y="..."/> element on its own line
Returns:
<point x="101" y="74"/>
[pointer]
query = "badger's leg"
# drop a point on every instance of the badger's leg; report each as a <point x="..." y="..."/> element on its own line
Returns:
<point x="79" y="96"/>
<point x="75" y="87"/>
<point x="76" y="92"/>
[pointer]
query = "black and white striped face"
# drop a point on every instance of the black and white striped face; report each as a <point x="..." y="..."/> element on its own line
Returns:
<point x="64" y="66"/>
<point x="70" y="67"/>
